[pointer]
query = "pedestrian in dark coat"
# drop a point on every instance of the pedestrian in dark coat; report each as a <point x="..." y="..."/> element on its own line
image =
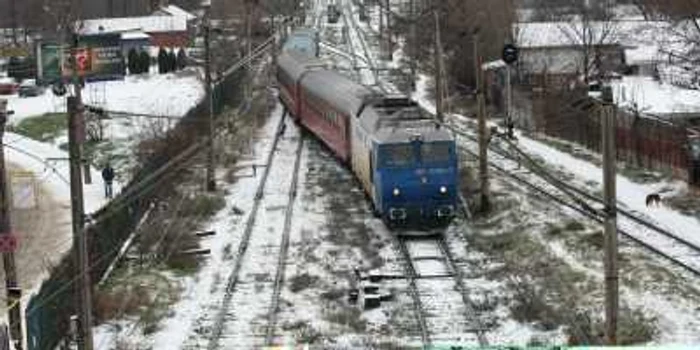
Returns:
<point x="108" y="177"/>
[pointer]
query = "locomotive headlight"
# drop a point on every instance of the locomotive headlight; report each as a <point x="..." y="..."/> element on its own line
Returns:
<point x="396" y="192"/>
<point x="443" y="189"/>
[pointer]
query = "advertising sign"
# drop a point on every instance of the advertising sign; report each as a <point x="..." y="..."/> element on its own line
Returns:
<point x="99" y="57"/>
<point x="50" y="59"/>
<point x="14" y="51"/>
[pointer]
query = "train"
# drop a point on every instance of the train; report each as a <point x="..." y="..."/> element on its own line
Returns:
<point x="406" y="163"/>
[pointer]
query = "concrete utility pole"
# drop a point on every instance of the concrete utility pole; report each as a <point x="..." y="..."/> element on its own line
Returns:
<point x="414" y="44"/>
<point x="76" y="126"/>
<point x="509" y="96"/>
<point x="8" y="257"/>
<point x="483" y="138"/>
<point x="249" y="47"/>
<point x="381" y="28"/>
<point x="438" y="69"/>
<point x="609" y="196"/>
<point x="389" y="46"/>
<point x="13" y="18"/>
<point x="211" y="181"/>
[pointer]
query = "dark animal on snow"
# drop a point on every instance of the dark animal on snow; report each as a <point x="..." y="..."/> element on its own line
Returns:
<point x="653" y="198"/>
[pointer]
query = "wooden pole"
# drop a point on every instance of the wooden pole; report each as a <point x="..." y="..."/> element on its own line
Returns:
<point x="211" y="181"/>
<point x="75" y="129"/>
<point x="438" y="70"/>
<point x="609" y="196"/>
<point x="8" y="257"/>
<point x="483" y="138"/>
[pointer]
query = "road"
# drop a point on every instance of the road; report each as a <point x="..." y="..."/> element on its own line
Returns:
<point x="44" y="237"/>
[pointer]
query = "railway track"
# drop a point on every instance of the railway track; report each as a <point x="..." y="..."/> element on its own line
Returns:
<point x="357" y="42"/>
<point x="435" y="295"/>
<point x="675" y="249"/>
<point x="441" y="301"/>
<point x="248" y="311"/>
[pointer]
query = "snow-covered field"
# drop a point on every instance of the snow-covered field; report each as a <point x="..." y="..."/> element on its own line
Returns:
<point x="332" y="233"/>
<point x="171" y="94"/>
<point x="167" y="94"/>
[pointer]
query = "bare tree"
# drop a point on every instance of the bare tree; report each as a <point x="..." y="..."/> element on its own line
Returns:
<point x="460" y="18"/>
<point x="587" y="27"/>
<point x="681" y="42"/>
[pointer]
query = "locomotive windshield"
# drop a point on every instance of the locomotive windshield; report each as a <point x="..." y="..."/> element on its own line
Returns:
<point x="435" y="152"/>
<point x="397" y="155"/>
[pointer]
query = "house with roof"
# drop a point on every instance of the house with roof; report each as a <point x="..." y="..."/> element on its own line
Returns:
<point x="562" y="53"/>
<point x="163" y="31"/>
<point x="174" y="11"/>
<point x="563" y="50"/>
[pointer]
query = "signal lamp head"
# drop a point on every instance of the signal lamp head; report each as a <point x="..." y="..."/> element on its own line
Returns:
<point x="396" y="192"/>
<point x="443" y="189"/>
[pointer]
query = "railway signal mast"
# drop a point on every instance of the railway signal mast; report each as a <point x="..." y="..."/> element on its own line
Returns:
<point x="510" y="56"/>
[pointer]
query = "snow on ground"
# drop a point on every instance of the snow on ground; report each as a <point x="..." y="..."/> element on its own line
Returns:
<point x="170" y="94"/>
<point x="630" y="194"/>
<point x="202" y="293"/>
<point x="677" y="317"/>
<point x="654" y="97"/>
<point x="34" y="156"/>
<point x="167" y="94"/>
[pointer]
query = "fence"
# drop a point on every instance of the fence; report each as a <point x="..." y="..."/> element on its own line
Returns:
<point x="644" y="141"/>
<point x="48" y="312"/>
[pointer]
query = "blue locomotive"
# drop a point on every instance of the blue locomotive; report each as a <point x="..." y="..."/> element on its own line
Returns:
<point x="407" y="164"/>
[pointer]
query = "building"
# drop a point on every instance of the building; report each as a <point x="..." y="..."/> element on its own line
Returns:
<point x="561" y="53"/>
<point x="163" y="31"/>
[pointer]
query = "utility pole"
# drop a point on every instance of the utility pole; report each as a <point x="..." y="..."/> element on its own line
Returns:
<point x="609" y="196"/>
<point x="13" y="18"/>
<point x="8" y="257"/>
<point x="389" y="46"/>
<point x="211" y="181"/>
<point x="381" y="28"/>
<point x="75" y="128"/>
<point x="509" y="96"/>
<point x="249" y="47"/>
<point x="438" y="69"/>
<point x="483" y="138"/>
<point x="414" y="44"/>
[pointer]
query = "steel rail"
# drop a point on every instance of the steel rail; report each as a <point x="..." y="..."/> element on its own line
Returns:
<point x="284" y="247"/>
<point x="232" y="280"/>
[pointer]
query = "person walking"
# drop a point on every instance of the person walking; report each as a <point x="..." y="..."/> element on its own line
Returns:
<point x="108" y="177"/>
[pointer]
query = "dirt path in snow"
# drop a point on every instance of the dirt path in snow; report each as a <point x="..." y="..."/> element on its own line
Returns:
<point x="44" y="236"/>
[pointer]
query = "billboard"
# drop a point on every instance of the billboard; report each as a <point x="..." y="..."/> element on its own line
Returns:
<point x="98" y="57"/>
<point x="14" y="51"/>
<point x="50" y="60"/>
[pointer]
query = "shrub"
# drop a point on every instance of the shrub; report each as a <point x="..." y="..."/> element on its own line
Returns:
<point x="301" y="282"/>
<point x="162" y="61"/>
<point x="133" y="62"/>
<point x="203" y="205"/>
<point x="181" y="59"/>
<point x="144" y="62"/>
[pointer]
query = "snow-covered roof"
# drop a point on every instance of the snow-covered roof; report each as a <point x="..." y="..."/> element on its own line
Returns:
<point x="146" y="24"/>
<point x="493" y="65"/>
<point x="654" y="97"/>
<point x="135" y="35"/>
<point x="176" y="11"/>
<point x="556" y="34"/>
<point x="628" y="33"/>
<point x="642" y="54"/>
